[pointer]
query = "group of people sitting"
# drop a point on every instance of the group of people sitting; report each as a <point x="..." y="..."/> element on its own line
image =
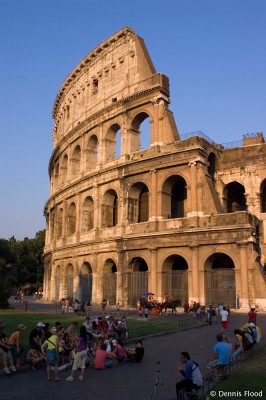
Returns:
<point x="99" y="341"/>
<point x="223" y="354"/>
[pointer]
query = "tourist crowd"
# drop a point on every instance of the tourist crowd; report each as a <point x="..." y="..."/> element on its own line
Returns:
<point x="99" y="341"/>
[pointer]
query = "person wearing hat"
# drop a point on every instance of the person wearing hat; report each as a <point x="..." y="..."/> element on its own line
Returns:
<point x="136" y="354"/>
<point x="15" y="346"/>
<point x="36" y="338"/>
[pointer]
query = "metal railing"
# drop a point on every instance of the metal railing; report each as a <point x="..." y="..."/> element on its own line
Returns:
<point x="163" y="326"/>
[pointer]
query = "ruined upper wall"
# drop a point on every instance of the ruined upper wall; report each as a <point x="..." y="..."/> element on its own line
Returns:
<point x="114" y="70"/>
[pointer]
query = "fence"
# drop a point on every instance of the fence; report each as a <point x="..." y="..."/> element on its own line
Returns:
<point x="162" y="326"/>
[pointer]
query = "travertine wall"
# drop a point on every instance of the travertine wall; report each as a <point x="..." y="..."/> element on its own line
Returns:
<point x="186" y="216"/>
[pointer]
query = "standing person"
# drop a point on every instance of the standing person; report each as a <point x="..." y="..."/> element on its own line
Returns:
<point x="104" y="304"/>
<point x="252" y="316"/>
<point x="88" y="307"/>
<point x="166" y="297"/>
<point x="192" y="378"/>
<point x="186" y="307"/>
<point x="146" y="312"/>
<point x="15" y="346"/>
<point x="81" y="354"/>
<point x="213" y="309"/>
<point x="224" y="319"/>
<point x="5" y="355"/>
<point x="50" y="350"/>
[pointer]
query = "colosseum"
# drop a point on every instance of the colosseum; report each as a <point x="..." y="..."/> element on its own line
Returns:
<point x="136" y="207"/>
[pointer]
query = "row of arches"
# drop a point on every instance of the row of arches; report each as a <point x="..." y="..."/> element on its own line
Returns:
<point x="97" y="148"/>
<point x="219" y="280"/>
<point x="174" y="204"/>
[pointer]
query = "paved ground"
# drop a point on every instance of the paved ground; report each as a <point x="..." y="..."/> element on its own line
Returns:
<point x="128" y="381"/>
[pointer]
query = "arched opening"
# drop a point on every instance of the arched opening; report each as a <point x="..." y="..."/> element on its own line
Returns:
<point x="64" y="169"/>
<point x="92" y="152"/>
<point x="138" y="203"/>
<point x="57" y="283"/>
<point x="263" y="197"/>
<point x="110" y="209"/>
<point x="175" y="277"/>
<point x="60" y="223"/>
<point x="140" y="135"/>
<point x="220" y="280"/>
<point x="211" y="165"/>
<point x="71" y="219"/>
<point x="137" y="279"/>
<point x="85" y="282"/>
<point x="87" y="214"/>
<point x="69" y="280"/>
<point x="174" y="197"/>
<point x="113" y="142"/>
<point x="75" y="161"/>
<point x="234" y="194"/>
<point x="109" y="281"/>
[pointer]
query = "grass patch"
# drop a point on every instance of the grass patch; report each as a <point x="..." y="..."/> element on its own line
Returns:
<point x="137" y="328"/>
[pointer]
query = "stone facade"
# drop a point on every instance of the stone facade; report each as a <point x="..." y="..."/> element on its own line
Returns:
<point x="182" y="215"/>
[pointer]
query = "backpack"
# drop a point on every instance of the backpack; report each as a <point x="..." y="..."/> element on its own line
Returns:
<point x="246" y="343"/>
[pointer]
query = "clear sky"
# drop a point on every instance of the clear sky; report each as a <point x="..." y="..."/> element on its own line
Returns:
<point x="214" y="53"/>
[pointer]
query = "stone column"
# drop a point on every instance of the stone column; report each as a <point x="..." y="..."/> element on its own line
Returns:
<point x="119" y="279"/>
<point x="193" y="205"/>
<point x="244" y="297"/>
<point x="63" y="281"/>
<point x="152" y="284"/>
<point x="195" y="272"/>
<point x="153" y="198"/>
<point x="97" y="209"/>
<point x="78" y="217"/>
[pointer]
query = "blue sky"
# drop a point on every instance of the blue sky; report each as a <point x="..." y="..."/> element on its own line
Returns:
<point x="214" y="53"/>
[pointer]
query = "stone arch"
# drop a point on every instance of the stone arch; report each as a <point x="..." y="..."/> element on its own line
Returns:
<point x="71" y="219"/>
<point x="75" y="161"/>
<point x="234" y="197"/>
<point x="140" y="135"/>
<point x="64" y="167"/>
<point x="109" y="281"/>
<point x="220" y="287"/>
<point x="60" y="223"/>
<point x="138" y="203"/>
<point x="263" y="196"/>
<point x="85" y="282"/>
<point x="92" y="151"/>
<point x="87" y="222"/>
<point x="174" y="197"/>
<point x="69" y="279"/>
<point x="175" y="277"/>
<point x="110" y="209"/>
<point x="137" y="279"/>
<point x="212" y="165"/>
<point x="112" y="146"/>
